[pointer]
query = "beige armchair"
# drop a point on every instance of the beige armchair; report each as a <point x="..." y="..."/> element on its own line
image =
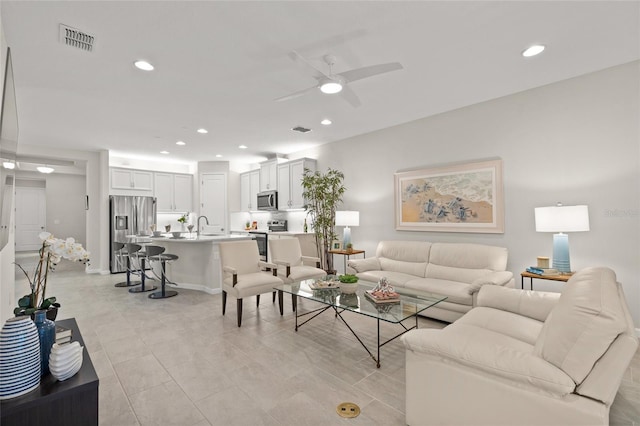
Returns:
<point x="524" y="357"/>
<point x="244" y="274"/>
<point x="287" y="255"/>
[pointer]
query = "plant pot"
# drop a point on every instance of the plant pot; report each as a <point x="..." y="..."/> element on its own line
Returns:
<point x="348" y="288"/>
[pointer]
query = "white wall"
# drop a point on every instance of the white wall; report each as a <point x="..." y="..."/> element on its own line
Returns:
<point x="66" y="219"/>
<point x="575" y="141"/>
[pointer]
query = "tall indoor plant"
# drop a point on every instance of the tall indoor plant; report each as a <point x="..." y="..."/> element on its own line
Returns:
<point x="323" y="193"/>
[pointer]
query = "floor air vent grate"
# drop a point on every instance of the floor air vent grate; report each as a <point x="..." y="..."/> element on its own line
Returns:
<point x="76" y="38"/>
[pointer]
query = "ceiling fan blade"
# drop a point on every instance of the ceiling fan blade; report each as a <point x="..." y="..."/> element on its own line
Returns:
<point x="370" y="71"/>
<point x="296" y="94"/>
<point x="317" y="74"/>
<point x="350" y="96"/>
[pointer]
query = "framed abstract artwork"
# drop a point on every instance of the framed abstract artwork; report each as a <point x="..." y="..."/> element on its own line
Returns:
<point x="455" y="198"/>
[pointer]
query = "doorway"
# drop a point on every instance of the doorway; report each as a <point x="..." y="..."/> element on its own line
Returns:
<point x="213" y="200"/>
<point x="31" y="217"/>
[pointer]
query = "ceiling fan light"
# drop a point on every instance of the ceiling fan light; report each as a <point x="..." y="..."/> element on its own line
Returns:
<point x="45" y="169"/>
<point x="331" y="87"/>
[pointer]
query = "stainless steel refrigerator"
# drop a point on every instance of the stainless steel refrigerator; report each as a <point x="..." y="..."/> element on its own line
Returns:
<point x="128" y="215"/>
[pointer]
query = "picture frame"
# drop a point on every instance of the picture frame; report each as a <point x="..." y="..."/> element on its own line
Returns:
<point x="466" y="197"/>
<point x="336" y="245"/>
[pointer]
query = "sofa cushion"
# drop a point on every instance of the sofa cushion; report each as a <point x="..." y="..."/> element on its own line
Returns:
<point x="513" y="325"/>
<point x="409" y="257"/>
<point x="396" y="279"/>
<point x="492" y="352"/>
<point x="456" y="292"/>
<point x="469" y="256"/>
<point x="584" y="322"/>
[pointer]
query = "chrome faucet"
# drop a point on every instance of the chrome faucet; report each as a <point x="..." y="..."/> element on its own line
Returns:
<point x="198" y="230"/>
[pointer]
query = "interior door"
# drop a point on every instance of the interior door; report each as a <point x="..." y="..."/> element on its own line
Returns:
<point x="213" y="200"/>
<point x="31" y="217"/>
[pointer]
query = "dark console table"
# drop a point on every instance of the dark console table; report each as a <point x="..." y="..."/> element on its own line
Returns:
<point x="69" y="403"/>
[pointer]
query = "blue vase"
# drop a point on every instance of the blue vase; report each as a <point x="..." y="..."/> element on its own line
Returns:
<point x="47" y="335"/>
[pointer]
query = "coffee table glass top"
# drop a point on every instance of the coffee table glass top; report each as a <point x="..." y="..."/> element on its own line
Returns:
<point x="409" y="305"/>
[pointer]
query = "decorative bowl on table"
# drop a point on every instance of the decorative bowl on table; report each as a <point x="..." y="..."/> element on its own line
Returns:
<point x="176" y="234"/>
<point x="157" y="233"/>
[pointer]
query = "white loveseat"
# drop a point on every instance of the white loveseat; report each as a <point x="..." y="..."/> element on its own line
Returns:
<point x="524" y="357"/>
<point x="453" y="270"/>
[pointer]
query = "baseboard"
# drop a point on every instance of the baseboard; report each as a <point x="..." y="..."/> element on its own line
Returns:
<point x="198" y="287"/>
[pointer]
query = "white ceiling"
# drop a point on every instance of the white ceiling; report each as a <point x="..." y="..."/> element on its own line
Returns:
<point x="220" y="65"/>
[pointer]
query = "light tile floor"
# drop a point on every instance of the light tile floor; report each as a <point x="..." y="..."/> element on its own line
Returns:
<point x="180" y="362"/>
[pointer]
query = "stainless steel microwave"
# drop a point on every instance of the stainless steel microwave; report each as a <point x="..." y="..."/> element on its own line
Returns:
<point x="268" y="200"/>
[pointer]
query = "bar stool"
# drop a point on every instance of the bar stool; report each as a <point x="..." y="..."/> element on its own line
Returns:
<point x="118" y="254"/>
<point x="157" y="254"/>
<point x="135" y="252"/>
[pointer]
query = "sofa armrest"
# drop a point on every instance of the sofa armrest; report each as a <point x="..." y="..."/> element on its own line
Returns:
<point x="364" y="265"/>
<point x="532" y="304"/>
<point x="500" y="278"/>
<point x="485" y="353"/>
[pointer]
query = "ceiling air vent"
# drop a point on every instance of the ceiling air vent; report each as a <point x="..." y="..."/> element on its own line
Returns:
<point x="76" y="38"/>
<point x="301" y="129"/>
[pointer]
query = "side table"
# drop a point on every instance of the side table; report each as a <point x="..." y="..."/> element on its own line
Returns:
<point x="346" y="254"/>
<point x="68" y="403"/>
<point x="525" y="274"/>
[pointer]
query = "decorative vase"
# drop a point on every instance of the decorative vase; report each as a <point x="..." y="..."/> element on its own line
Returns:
<point x="19" y="357"/>
<point x="52" y="313"/>
<point x="47" y="335"/>
<point x="65" y="360"/>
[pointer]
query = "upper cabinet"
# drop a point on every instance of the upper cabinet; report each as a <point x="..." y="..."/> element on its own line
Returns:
<point x="290" y="183"/>
<point x="131" y="182"/>
<point x="249" y="188"/>
<point x="174" y="192"/>
<point x="269" y="175"/>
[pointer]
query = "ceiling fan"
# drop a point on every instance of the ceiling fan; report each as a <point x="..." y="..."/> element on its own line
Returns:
<point x="338" y="83"/>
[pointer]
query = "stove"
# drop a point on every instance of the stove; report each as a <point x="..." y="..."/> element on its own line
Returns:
<point x="277" y="225"/>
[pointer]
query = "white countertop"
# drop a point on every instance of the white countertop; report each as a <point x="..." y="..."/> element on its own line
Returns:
<point x="289" y="233"/>
<point x="201" y="239"/>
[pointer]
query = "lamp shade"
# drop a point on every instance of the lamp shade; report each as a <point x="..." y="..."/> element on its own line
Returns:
<point x="562" y="219"/>
<point x="347" y="218"/>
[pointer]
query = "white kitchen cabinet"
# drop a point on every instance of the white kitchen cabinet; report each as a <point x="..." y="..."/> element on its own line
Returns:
<point x="173" y="192"/>
<point x="269" y="175"/>
<point x="290" y="183"/>
<point x="131" y="182"/>
<point x="249" y="188"/>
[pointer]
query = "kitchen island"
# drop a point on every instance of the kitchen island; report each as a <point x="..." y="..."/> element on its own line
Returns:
<point x="198" y="266"/>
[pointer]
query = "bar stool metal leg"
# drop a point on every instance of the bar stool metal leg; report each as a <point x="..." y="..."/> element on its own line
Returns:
<point x="142" y="287"/>
<point x="163" y="294"/>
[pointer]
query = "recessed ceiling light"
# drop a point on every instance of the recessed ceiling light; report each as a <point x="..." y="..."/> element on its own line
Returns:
<point x="180" y="143"/>
<point x="534" y="50"/>
<point x="45" y="169"/>
<point x="143" y="65"/>
<point x="164" y="152"/>
<point x="325" y="122"/>
<point x="9" y="165"/>
<point x="203" y="131"/>
<point x="218" y="155"/>
<point x="242" y="147"/>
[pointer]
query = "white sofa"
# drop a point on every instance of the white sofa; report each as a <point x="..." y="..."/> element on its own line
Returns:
<point x="453" y="270"/>
<point x="524" y="357"/>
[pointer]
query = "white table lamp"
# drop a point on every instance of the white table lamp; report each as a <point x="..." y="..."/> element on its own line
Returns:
<point x="347" y="218"/>
<point x="561" y="219"/>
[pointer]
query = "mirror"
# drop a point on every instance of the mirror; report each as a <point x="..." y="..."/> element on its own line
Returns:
<point x="8" y="148"/>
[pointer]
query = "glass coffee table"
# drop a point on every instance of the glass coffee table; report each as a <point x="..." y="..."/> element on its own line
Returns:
<point x="409" y="306"/>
